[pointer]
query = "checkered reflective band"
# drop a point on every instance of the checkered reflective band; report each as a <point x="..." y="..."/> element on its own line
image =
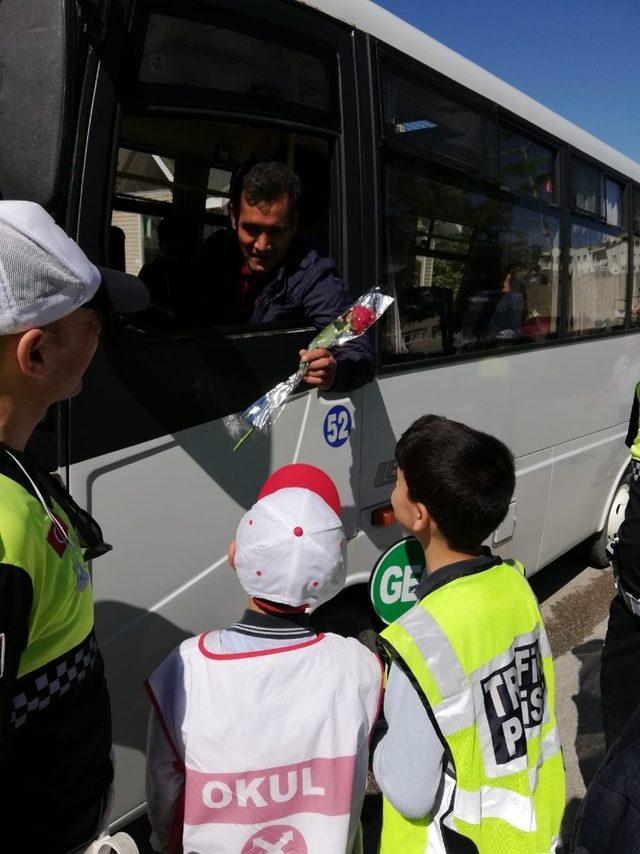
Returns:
<point x="635" y="469"/>
<point x="38" y="690"/>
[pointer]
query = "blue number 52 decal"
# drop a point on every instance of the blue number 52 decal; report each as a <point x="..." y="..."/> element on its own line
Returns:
<point x="337" y="426"/>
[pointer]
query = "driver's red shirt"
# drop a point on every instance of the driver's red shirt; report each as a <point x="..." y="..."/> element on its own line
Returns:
<point x="247" y="291"/>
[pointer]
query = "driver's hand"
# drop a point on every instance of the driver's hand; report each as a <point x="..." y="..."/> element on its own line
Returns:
<point x="322" y="368"/>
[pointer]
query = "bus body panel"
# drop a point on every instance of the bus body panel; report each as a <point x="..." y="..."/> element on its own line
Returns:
<point x="554" y="408"/>
<point x="171" y="508"/>
<point x="168" y="508"/>
<point x="580" y="486"/>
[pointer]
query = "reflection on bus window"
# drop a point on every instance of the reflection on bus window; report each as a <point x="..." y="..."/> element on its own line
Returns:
<point x="195" y="55"/>
<point x="218" y="188"/>
<point x="526" y="167"/>
<point x="596" y="195"/>
<point x="143" y="175"/>
<point x="471" y="269"/>
<point x="598" y="267"/>
<point x="635" y="291"/>
<point x="585" y="181"/>
<point x="421" y="115"/>
<point x="613" y="203"/>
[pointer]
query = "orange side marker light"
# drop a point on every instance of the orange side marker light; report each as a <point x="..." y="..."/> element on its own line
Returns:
<point x="382" y="517"/>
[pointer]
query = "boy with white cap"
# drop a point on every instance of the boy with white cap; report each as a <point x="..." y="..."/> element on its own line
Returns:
<point x="259" y="734"/>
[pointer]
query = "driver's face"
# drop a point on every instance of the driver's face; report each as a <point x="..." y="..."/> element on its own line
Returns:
<point x="264" y="233"/>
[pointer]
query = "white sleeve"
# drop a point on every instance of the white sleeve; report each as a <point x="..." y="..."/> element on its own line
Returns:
<point x="370" y="681"/>
<point x="165" y="752"/>
<point x="407" y="763"/>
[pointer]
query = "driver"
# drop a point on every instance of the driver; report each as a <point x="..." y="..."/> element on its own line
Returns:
<point x="273" y="275"/>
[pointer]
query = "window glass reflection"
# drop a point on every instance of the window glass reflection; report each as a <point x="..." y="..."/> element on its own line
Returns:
<point x="420" y="114"/>
<point x="144" y="175"/>
<point x="613" y="192"/>
<point x="471" y="270"/>
<point x="586" y="187"/>
<point x="635" y="293"/>
<point x="179" y="52"/>
<point x="526" y="168"/>
<point x="598" y="273"/>
<point x="218" y="190"/>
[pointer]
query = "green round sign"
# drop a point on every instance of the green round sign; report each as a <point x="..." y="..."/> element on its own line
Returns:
<point x="394" y="578"/>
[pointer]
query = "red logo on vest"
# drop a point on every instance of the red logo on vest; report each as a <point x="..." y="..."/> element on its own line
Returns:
<point x="56" y="538"/>
<point x="276" y="839"/>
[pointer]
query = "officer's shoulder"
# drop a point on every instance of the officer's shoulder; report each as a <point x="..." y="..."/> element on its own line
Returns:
<point x="19" y="504"/>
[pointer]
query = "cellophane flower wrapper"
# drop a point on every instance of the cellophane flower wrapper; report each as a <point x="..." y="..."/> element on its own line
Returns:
<point x="352" y="323"/>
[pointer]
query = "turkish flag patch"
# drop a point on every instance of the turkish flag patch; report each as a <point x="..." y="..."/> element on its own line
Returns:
<point x="56" y="538"/>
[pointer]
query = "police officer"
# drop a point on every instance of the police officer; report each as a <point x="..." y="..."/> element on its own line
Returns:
<point x="471" y="760"/>
<point x="620" y="674"/>
<point x="55" y="730"/>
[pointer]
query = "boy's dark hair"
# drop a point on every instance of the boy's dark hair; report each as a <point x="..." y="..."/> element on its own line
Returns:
<point x="265" y="181"/>
<point x="463" y="477"/>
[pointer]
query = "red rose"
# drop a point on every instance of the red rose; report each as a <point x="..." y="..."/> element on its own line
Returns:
<point x="361" y="318"/>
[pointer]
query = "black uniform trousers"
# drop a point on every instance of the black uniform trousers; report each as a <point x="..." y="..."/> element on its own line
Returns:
<point x="620" y="674"/>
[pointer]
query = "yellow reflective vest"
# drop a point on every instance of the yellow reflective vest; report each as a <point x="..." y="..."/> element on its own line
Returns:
<point x="633" y="437"/>
<point x="476" y="651"/>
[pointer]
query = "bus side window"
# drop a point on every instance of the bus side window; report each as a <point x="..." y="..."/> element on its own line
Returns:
<point x="174" y="211"/>
<point x="472" y="243"/>
<point x="180" y="147"/>
<point x="635" y="292"/>
<point x="598" y="253"/>
<point x="199" y="99"/>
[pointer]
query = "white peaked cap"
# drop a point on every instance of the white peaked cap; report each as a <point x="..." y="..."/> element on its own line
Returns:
<point x="45" y="275"/>
<point x="290" y="544"/>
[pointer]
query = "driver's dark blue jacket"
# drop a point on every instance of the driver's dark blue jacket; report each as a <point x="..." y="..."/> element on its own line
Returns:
<point x="305" y="288"/>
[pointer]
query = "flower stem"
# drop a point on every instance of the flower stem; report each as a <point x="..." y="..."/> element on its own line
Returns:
<point x="246" y="436"/>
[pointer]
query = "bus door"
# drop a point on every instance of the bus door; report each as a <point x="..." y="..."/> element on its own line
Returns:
<point x="203" y="88"/>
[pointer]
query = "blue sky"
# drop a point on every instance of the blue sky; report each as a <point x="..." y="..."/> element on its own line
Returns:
<point x="581" y="59"/>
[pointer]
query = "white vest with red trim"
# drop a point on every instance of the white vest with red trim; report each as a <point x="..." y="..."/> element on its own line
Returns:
<point x="274" y="743"/>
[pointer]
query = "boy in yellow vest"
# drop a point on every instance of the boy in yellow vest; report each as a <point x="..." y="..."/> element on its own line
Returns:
<point x="471" y="760"/>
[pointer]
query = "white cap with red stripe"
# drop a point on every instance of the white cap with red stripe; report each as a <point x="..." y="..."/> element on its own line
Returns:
<point x="289" y="545"/>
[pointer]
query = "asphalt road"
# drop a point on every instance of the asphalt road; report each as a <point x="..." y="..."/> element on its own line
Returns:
<point x="575" y="602"/>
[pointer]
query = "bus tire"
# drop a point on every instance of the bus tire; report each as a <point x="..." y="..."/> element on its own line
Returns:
<point x="598" y="556"/>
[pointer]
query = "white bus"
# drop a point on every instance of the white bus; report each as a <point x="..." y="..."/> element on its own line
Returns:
<point x="509" y="237"/>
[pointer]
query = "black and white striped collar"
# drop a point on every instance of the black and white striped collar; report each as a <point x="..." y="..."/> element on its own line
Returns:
<point x="255" y="624"/>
